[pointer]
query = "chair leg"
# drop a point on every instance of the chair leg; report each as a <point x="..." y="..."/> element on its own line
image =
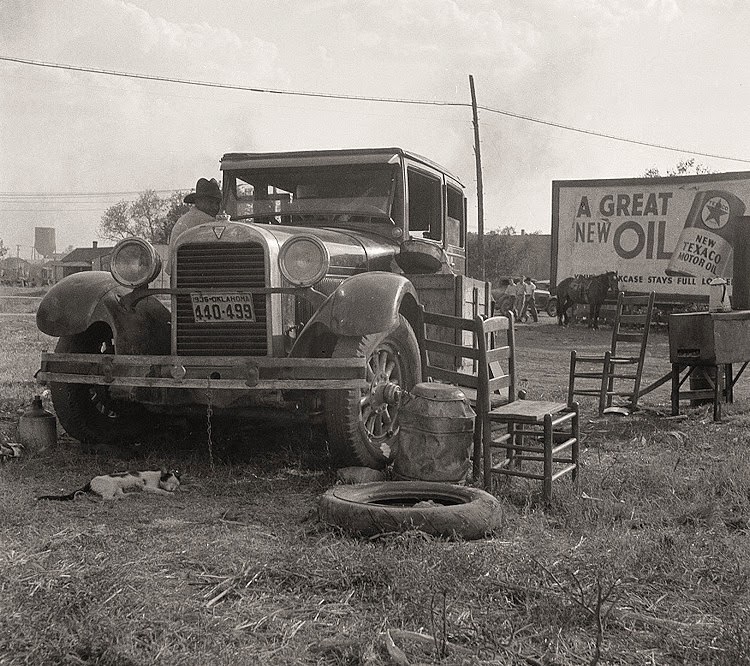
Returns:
<point x="575" y="447"/>
<point x="486" y="427"/>
<point x="514" y="440"/>
<point x="607" y="383"/>
<point x="477" y="457"/>
<point x="571" y="375"/>
<point x="548" y="443"/>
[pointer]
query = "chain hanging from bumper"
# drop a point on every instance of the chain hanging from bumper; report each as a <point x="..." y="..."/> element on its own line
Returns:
<point x="209" y="415"/>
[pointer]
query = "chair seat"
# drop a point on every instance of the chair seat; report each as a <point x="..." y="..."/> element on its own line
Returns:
<point x="527" y="411"/>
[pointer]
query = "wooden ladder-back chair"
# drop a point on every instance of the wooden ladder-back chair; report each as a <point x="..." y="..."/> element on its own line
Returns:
<point x="541" y="432"/>
<point x="617" y="373"/>
<point x="478" y="355"/>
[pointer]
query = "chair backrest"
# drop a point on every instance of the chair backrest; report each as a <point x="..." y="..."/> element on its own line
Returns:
<point x="447" y="342"/>
<point x="632" y="321"/>
<point x="497" y="367"/>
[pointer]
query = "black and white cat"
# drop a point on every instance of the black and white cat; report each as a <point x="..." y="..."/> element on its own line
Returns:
<point x="113" y="486"/>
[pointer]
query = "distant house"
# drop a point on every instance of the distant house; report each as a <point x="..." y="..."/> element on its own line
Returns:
<point x="92" y="258"/>
<point x="97" y="258"/>
<point x="14" y="270"/>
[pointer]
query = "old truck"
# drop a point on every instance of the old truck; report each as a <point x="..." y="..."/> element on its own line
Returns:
<point x="669" y="235"/>
<point x="300" y="299"/>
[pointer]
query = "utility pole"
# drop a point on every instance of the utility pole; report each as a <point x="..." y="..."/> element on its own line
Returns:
<point x="480" y="190"/>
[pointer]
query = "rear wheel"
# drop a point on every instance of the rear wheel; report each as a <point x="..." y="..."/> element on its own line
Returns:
<point x="552" y="307"/>
<point x="363" y="424"/>
<point x="88" y="412"/>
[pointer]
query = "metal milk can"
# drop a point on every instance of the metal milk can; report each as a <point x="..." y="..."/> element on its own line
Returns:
<point x="37" y="428"/>
<point x="435" y="435"/>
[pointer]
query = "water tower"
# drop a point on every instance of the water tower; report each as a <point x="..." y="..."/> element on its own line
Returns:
<point x="44" y="241"/>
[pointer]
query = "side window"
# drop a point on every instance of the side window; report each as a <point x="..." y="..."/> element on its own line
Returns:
<point x="454" y="222"/>
<point x="425" y="218"/>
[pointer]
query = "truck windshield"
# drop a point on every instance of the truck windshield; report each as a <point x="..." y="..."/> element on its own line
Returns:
<point x="302" y="195"/>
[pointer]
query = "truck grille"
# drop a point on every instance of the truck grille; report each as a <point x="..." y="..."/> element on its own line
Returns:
<point x="230" y="268"/>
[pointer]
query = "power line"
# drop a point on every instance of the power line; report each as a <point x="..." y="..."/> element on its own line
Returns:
<point x="613" y="137"/>
<point x="362" y="98"/>
<point x="226" y="86"/>
<point x="84" y="194"/>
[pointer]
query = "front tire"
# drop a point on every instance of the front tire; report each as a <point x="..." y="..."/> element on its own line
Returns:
<point x="552" y="308"/>
<point x="363" y="425"/>
<point x="87" y="412"/>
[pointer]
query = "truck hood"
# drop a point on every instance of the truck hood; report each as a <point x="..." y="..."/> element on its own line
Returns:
<point x="356" y="249"/>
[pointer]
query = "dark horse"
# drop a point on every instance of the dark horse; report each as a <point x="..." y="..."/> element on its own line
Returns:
<point x="592" y="290"/>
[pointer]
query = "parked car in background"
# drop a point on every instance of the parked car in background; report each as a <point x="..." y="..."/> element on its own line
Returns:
<point x="545" y="302"/>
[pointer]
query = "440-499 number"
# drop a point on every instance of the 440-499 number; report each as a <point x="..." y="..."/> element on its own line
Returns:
<point x="232" y="306"/>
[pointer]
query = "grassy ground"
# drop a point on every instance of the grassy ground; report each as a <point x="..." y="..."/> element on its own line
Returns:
<point x="645" y="564"/>
<point x="20" y="300"/>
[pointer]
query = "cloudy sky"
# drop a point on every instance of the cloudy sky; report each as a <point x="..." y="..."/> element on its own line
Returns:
<point x="668" y="72"/>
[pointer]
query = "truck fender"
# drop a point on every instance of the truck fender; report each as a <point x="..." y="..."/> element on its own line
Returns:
<point x="76" y="302"/>
<point x="363" y="304"/>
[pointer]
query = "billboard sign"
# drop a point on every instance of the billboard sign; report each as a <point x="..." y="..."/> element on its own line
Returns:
<point x="667" y="235"/>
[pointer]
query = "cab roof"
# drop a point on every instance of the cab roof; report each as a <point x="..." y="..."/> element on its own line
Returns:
<point x="326" y="158"/>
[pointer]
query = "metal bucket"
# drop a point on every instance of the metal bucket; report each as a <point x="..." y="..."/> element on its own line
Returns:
<point x="37" y="428"/>
<point x="435" y="435"/>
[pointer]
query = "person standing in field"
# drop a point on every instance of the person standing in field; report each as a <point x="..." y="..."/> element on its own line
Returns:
<point x="529" y="304"/>
<point x="511" y="293"/>
<point x="520" y="298"/>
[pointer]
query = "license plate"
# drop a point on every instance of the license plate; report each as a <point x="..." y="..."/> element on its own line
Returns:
<point x="222" y="308"/>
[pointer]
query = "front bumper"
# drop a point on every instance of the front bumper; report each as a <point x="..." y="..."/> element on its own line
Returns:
<point x="209" y="372"/>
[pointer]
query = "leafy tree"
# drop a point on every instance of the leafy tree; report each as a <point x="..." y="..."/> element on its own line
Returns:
<point x="501" y="255"/>
<point x="176" y="207"/>
<point x="504" y="253"/>
<point x="683" y="168"/>
<point x="3" y="249"/>
<point x="149" y="216"/>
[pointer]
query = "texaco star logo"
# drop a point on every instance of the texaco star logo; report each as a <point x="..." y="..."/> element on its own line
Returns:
<point x="715" y="213"/>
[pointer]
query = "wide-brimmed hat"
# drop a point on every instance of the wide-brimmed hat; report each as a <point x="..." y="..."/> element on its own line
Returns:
<point x="204" y="188"/>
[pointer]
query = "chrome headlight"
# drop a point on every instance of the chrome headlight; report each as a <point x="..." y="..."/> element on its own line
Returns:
<point x="135" y="262"/>
<point x="304" y="261"/>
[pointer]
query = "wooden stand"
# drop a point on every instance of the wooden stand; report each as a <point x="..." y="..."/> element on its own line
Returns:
<point x="708" y="343"/>
<point x="710" y="382"/>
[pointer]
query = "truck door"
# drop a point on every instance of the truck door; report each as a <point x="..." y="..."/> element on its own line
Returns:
<point x="455" y="228"/>
<point x="437" y="212"/>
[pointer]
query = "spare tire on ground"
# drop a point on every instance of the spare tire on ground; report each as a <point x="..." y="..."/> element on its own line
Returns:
<point x="440" y="509"/>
